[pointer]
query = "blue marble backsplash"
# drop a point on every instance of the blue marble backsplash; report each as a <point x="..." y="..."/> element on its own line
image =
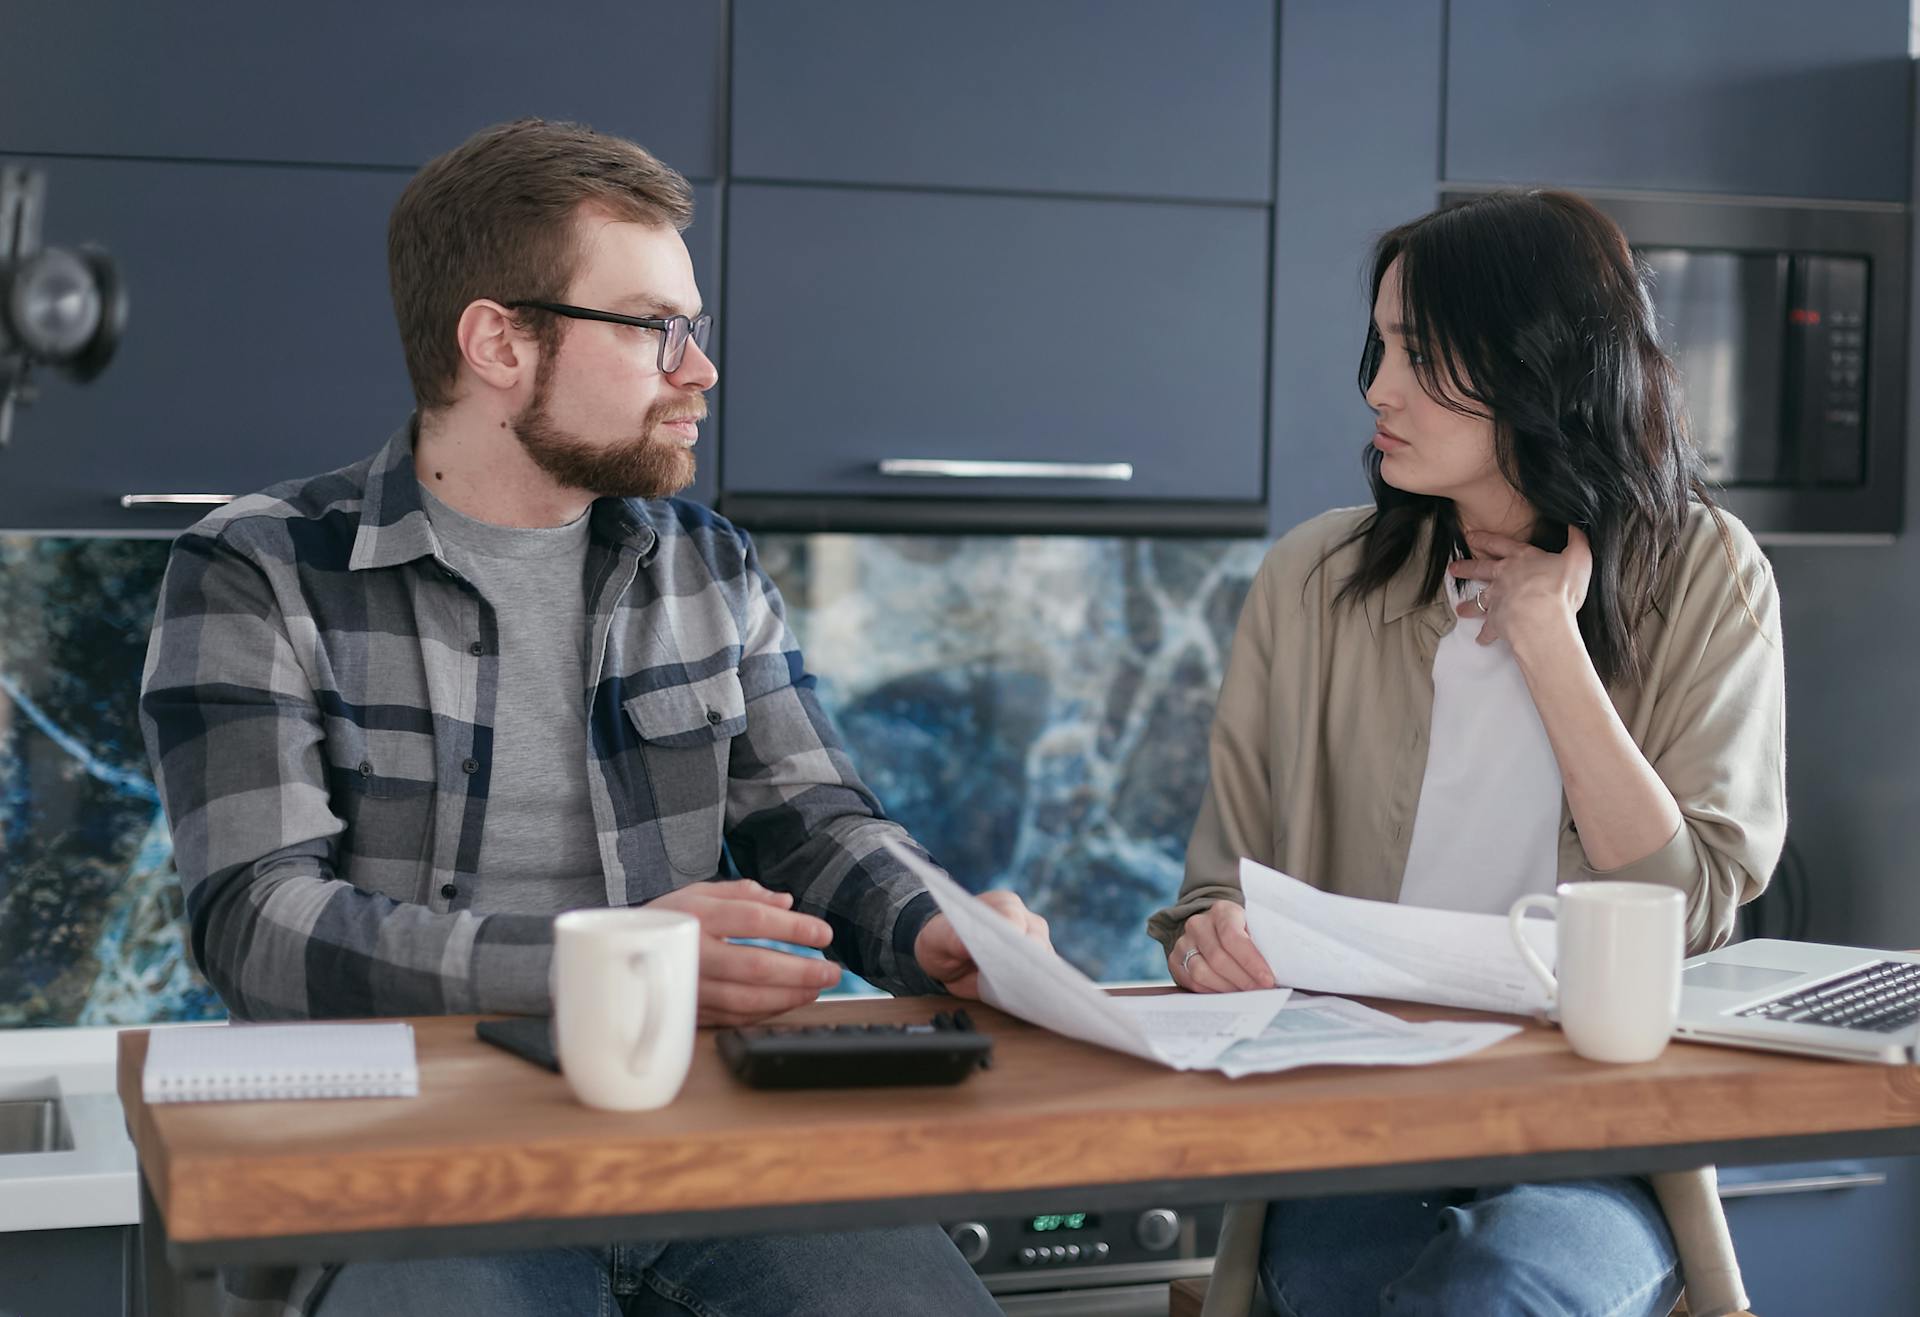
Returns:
<point x="1034" y="709"/>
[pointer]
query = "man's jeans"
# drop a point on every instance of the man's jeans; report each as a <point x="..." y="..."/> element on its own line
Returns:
<point x="1587" y="1248"/>
<point x="886" y="1273"/>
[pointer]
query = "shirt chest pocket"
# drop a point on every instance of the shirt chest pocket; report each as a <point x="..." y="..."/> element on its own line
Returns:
<point x="686" y="739"/>
<point x="394" y="764"/>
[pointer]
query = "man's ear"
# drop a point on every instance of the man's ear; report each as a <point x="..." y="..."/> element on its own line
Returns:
<point x="492" y="348"/>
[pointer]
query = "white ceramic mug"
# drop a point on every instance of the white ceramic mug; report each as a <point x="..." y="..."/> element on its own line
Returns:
<point x="1619" y="953"/>
<point x="625" y="986"/>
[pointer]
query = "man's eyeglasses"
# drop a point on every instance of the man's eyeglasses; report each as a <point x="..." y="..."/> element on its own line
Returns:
<point x="675" y="331"/>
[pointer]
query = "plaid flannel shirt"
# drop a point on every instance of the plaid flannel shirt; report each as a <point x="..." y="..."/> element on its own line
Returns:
<point x="318" y="703"/>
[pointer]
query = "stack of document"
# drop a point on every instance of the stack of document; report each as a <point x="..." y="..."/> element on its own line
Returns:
<point x="1238" y="1033"/>
<point x="1327" y="943"/>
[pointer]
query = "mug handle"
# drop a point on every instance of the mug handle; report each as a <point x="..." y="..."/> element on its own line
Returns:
<point x="650" y="1011"/>
<point x="1515" y="914"/>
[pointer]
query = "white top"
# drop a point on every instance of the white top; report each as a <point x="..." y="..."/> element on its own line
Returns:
<point x="1487" y="829"/>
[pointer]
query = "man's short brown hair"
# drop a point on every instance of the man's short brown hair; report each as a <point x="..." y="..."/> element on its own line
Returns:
<point x="494" y="218"/>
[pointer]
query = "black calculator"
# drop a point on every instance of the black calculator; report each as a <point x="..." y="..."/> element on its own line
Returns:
<point x="944" y="1051"/>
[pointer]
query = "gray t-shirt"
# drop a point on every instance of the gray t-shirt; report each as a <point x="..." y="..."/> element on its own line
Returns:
<point x="539" y="853"/>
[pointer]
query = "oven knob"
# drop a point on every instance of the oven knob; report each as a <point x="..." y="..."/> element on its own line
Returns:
<point x="1158" y="1229"/>
<point x="1028" y="1257"/>
<point x="1073" y="1252"/>
<point x="971" y="1238"/>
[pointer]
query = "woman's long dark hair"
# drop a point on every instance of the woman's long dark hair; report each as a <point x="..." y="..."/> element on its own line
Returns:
<point x="1530" y="307"/>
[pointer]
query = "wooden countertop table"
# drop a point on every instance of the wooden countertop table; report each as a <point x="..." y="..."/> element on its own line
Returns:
<point x="495" y="1153"/>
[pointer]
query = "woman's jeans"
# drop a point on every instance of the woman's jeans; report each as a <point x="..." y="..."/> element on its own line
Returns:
<point x="1586" y="1248"/>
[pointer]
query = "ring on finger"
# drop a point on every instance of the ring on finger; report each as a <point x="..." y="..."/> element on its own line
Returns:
<point x="1191" y="953"/>
<point x="1480" y="602"/>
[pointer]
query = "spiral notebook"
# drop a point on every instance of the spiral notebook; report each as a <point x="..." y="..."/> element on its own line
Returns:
<point x="253" y="1062"/>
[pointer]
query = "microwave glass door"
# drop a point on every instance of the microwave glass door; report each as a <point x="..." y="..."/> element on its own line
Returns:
<point x="1771" y="351"/>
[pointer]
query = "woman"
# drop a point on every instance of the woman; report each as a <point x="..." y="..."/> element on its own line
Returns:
<point x="1543" y="655"/>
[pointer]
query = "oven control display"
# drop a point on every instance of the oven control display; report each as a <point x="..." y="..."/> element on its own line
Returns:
<point x="1051" y="1224"/>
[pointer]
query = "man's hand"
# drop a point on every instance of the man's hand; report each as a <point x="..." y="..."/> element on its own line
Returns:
<point x="944" y="956"/>
<point x="739" y="985"/>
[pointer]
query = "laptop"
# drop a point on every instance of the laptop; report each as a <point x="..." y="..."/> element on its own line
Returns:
<point x="1808" y="997"/>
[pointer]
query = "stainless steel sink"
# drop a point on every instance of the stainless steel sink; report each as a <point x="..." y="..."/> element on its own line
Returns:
<point x="34" y="1125"/>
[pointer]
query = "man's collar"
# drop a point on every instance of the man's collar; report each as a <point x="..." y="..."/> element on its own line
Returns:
<point x="626" y="522"/>
<point x="393" y="521"/>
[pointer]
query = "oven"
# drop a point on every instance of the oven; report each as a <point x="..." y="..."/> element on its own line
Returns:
<point x="1072" y="1262"/>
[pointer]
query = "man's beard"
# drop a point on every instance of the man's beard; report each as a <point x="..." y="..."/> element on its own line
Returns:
<point x="640" y="467"/>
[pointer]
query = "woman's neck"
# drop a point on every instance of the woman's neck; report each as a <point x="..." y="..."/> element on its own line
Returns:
<point x="1499" y="512"/>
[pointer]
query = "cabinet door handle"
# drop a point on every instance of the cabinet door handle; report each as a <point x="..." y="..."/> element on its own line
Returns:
<point x="174" y="500"/>
<point x="1810" y="1184"/>
<point x="947" y="467"/>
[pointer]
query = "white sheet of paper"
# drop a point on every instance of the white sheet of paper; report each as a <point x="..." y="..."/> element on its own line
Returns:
<point x="1238" y="1033"/>
<point x="1025" y="979"/>
<point x="1194" y="1028"/>
<point x="1334" y="1031"/>
<point x="1320" y="942"/>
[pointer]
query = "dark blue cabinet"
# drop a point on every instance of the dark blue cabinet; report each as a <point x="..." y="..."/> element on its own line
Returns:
<point x="1113" y="97"/>
<point x="354" y="82"/>
<point x="1358" y="155"/>
<point x="869" y="326"/>
<point x="260" y="345"/>
<point x="1816" y="1239"/>
<point x="1762" y="97"/>
<point x="84" y="1271"/>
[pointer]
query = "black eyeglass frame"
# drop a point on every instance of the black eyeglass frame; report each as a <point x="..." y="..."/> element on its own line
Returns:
<point x="696" y="329"/>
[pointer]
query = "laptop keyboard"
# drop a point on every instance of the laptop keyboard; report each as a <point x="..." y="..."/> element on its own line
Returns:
<point x="1878" y="999"/>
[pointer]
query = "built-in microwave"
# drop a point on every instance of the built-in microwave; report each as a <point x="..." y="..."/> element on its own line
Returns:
<point x="1788" y="321"/>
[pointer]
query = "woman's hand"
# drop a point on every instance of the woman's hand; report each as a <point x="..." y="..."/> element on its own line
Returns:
<point x="1529" y="592"/>
<point x="1215" y="953"/>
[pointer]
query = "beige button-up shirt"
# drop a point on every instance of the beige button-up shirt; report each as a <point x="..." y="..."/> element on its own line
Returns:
<point x="1319" y="748"/>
